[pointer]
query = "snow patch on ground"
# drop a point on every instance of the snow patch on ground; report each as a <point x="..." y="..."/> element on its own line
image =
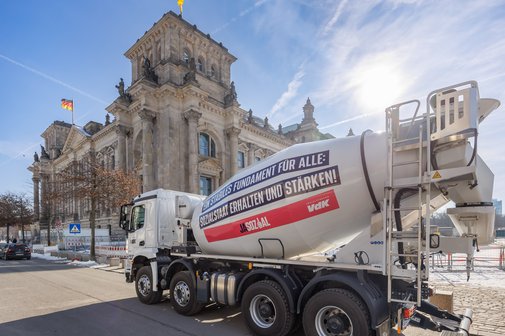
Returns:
<point x="46" y="256"/>
<point x="83" y="263"/>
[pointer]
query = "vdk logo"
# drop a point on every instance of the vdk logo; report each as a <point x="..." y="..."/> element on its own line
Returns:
<point x="319" y="205"/>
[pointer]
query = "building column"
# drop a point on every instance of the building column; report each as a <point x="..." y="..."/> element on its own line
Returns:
<point x="147" y="149"/>
<point x="233" y="133"/>
<point x="121" y="147"/>
<point x="192" y="117"/>
<point x="44" y="213"/>
<point x="250" y="155"/>
<point x="36" y="200"/>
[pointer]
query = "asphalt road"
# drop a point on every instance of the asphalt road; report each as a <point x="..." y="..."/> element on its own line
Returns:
<point x="40" y="297"/>
<point x="46" y="298"/>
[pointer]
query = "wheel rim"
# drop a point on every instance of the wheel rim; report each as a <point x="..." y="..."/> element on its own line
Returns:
<point x="144" y="285"/>
<point x="262" y="311"/>
<point x="181" y="293"/>
<point x="333" y="321"/>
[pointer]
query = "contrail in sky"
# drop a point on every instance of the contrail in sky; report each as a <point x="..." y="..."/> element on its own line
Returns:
<point x="52" y="79"/>
<point x="345" y="121"/>
<point x="243" y="13"/>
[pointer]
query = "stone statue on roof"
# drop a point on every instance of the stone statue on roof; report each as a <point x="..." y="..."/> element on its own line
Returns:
<point x="43" y="153"/>
<point x="250" y="118"/>
<point x="122" y="93"/>
<point x="148" y="71"/>
<point x="190" y="76"/>
<point x="36" y="157"/>
<point x="231" y="96"/>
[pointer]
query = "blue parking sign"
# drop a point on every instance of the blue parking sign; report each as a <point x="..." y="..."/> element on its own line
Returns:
<point x="74" y="228"/>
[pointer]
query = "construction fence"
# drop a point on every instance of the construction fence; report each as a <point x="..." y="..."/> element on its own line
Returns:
<point x="492" y="256"/>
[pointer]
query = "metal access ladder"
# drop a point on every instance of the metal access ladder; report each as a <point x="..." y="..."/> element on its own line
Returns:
<point x="452" y="114"/>
<point x="404" y="135"/>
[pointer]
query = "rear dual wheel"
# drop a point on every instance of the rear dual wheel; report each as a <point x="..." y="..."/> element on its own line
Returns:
<point x="336" y="312"/>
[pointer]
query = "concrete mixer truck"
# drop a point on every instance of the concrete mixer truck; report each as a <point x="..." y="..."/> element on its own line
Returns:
<point x="334" y="235"/>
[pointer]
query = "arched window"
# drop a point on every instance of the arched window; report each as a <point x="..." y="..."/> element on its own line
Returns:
<point x="207" y="146"/>
<point x="200" y="65"/>
<point x="186" y="56"/>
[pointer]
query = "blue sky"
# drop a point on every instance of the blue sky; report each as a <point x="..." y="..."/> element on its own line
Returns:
<point x="352" y="58"/>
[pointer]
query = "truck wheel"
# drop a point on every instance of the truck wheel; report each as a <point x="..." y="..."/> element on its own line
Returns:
<point x="183" y="294"/>
<point x="144" y="287"/>
<point x="336" y="312"/>
<point x="266" y="309"/>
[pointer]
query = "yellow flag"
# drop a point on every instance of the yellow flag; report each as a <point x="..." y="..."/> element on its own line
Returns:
<point x="180" y="3"/>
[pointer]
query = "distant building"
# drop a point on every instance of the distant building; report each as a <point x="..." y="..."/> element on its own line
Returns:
<point x="179" y="125"/>
<point x="498" y="206"/>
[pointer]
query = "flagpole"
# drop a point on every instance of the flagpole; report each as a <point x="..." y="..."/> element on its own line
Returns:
<point x="73" y="112"/>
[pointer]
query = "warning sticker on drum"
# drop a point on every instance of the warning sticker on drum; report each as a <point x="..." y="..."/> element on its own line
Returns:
<point x="292" y="213"/>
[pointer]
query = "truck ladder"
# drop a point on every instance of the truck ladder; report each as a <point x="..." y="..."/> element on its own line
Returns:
<point x="406" y="135"/>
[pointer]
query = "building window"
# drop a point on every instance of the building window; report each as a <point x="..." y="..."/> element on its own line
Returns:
<point x="200" y="65"/>
<point x="205" y="185"/>
<point x="207" y="146"/>
<point x="185" y="56"/>
<point x="241" y="160"/>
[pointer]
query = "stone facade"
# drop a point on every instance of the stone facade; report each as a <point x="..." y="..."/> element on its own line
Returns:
<point x="178" y="126"/>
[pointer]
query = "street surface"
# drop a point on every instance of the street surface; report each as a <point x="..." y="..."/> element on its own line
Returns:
<point x="52" y="298"/>
<point x="47" y="298"/>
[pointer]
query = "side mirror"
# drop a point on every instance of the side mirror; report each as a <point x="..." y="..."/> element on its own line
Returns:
<point x="434" y="240"/>
<point x="124" y="221"/>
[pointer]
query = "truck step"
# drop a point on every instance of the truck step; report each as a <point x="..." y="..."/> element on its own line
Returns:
<point x="412" y="208"/>
<point x="404" y="235"/>
<point x="405" y="163"/>
<point x="452" y="333"/>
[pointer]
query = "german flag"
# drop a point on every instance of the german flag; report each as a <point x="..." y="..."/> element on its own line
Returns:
<point x="67" y="104"/>
<point x="180" y="3"/>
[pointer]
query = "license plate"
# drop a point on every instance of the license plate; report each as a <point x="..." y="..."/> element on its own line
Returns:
<point x="19" y="253"/>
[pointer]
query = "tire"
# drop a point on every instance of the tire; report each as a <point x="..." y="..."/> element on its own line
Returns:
<point x="28" y="258"/>
<point x="266" y="309"/>
<point x="144" y="287"/>
<point x="336" y="312"/>
<point x="183" y="294"/>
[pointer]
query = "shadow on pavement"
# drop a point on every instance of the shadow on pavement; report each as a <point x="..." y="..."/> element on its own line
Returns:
<point x="129" y="317"/>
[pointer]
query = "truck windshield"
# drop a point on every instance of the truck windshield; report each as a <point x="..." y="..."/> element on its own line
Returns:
<point x="138" y="214"/>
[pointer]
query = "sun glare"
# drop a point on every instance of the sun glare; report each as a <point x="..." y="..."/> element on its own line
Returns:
<point x="378" y="84"/>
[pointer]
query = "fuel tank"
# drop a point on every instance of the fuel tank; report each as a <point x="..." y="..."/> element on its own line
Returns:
<point x="303" y="200"/>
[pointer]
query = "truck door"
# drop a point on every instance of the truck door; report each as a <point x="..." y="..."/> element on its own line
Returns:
<point x="137" y="235"/>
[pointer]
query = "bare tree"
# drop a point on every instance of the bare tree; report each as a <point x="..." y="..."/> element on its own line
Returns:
<point x="92" y="184"/>
<point x="15" y="209"/>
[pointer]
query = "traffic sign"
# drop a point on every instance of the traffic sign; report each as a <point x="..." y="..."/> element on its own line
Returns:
<point x="74" y="228"/>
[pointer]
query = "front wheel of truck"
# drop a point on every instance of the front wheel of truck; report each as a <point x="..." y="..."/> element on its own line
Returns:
<point x="144" y="287"/>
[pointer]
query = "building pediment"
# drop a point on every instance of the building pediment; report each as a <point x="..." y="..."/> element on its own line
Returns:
<point x="210" y="165"/>
<point x="76" y="136"/>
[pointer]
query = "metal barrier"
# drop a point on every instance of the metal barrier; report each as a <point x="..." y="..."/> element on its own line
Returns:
<point x="490" y="256"/>
<point x="111" y="251"/>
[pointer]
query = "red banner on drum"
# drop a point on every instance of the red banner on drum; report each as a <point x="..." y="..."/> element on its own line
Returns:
<point x="288" y="214"/>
